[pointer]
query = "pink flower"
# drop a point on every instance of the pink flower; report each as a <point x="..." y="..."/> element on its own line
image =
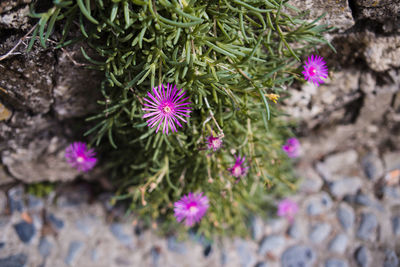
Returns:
<point x="315" y="70"/>
<point x="292" y="147"/>
<point x="287" y="208"/>
<point x="166" y="107"/>
<point x="214" y="143"/>
<point x="239" y="169"/>
<point x="191" y="208"/>
<point x="80" y="157"/>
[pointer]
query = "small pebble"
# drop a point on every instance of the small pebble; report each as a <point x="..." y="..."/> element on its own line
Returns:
<point x="362" y="256"/>
<point x="391" y="259"/>
<point x="298" y="256"/>
<point x="44" y="247"/>
<point x="336" y="263"/>
<point x="118" y="232"/>
<point x="207" y="250"/>
<point x="373" y="166"/>
<point x="261" y="264"/>
<point x="246" y="257"/>
<point x="35" y="203"/>
<point x="176" y="246"/>
<point x="320" y="232"/>
<point x="15" y="199"/>
<point x="25" y="231"/>
<point x="75" y="247"/>
<point x="339" y="244"/>
<point x="396" y="225"/>
<point x="367" y="227"/>
<point x="155" y="256"/>
<point x="345" y="186"/>
<point x="256" y="226"/>
<point x="57" y="223"/>
<point x="318" y="204"/>
<point x="271" y="244"/>
<point x="17" y="260"/>
<point x="346" y="216"/>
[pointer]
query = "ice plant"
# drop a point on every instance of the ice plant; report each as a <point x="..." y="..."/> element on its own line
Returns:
<point x="292" y="147"/>
<point x="315" y="70"/>
<point x="80" y="157"/>
<point x="288" y="209"/>
<point x="214" y="142"/>
<point x="191" y="208"/>
<point x="166" y="106"/>
<point x="239" y="169"/>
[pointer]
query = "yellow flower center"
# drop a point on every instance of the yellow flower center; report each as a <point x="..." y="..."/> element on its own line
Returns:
<point x="80" y="159"/>
<point x="193" y="209"/>
<point x="167" y="109"/>
<point x="237" y="171"/>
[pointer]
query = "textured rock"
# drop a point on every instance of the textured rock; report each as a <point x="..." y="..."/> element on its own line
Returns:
<point x="39" y="91"/>
<point x="68" y="89"/>
<point x="380" y="13"/>
<point x="5" y="113"/>
<point x="383" y="53"/>
<point x="16" y="19"/>
<point x="298" y="256"/>
<point x="338" y="12"/>
<point x="31" y="164"/>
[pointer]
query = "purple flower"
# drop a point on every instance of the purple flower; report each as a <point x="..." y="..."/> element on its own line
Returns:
<point x="287" y="208"/>
<point x="292" y="147"/>
<point x="166" y="107"/>
<point x="315" y="69"/>
<point x="214" y="142"/>
<point x="191" y="208"/>
<point x="239" y="169"/>
<point x="80" y="157"/>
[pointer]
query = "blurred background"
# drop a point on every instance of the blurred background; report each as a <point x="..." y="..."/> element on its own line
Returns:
<point x="349" y="130"/>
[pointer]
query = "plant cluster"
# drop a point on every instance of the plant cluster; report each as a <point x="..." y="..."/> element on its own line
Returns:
<point x="233" y="59"/>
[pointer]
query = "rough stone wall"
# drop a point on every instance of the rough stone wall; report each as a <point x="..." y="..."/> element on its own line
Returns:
<point x="44" y="94"/>
<point x="359" y="106"/>
<point x="44" y="98"/>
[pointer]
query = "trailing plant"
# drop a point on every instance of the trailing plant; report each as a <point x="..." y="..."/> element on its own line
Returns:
<point x="233" y="59"/>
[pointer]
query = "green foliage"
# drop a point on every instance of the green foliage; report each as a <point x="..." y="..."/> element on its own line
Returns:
<point x="42" y="189"/>
<point x="227" y="55"/>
